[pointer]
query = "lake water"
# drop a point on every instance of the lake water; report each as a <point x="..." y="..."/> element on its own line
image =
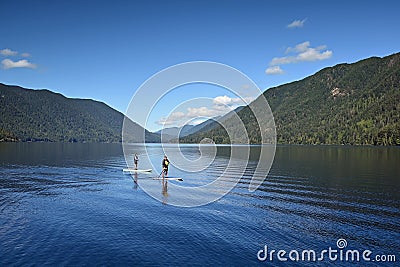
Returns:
<point x="71" y="205"/>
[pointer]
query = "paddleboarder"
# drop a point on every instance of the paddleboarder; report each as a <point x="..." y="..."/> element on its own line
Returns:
<point x="165" y="165"/>
<point x="135" y="160"/>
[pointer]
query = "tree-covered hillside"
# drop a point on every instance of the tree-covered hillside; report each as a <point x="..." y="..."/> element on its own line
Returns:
<point x="355" y="103"/>
<point x="41" y="115"/>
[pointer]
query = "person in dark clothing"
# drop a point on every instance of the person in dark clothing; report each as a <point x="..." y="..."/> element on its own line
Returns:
<point x="135" y="160"/>
<point x="165" y="165"/>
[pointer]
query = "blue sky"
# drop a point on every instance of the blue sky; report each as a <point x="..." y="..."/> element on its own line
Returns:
<point x="104" y="50"/>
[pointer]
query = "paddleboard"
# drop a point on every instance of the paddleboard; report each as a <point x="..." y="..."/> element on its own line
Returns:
<point x="133" y="170"/>
<point x="169" y="178"/>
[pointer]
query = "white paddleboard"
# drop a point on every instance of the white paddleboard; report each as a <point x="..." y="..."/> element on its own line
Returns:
<point x="169" y="178"/>
<point x="133" y="170"/>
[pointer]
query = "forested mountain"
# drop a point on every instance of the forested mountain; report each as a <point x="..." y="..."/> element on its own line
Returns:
<point x="355" y="103"/>
<point x="41" y="115"/>
<point x="202" y="126"/>
<point x="172" y="132"/>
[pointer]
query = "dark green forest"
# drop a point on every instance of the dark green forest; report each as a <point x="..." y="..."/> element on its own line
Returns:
<point x="41" y="115"/>
<point x="355" y="104"/>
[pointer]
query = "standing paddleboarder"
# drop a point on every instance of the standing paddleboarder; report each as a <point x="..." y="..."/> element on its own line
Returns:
<point x="165" y="165"/>
<point x="135" y="160"/>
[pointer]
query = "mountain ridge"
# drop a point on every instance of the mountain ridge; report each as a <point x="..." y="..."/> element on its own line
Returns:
<point x="349" y="103"/>
<point x="43" y="115"/>
<point x="355" y="104"/>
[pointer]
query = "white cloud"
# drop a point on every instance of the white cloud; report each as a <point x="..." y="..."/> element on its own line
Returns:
<point x="282" y="60"/>
<point x="299" y="48"/>
<point x="23" y="63"/>
<point x="314" y="54"/>
<point x="226" y="100"/>
<point x="220" y="106"/>
<point x="296" y="24"/>
<point x="173" y="117"/>
<point x="8" y="52"/>
<point x="304" y="53"/>
<point x="300" y="53"/>
<point x="206" y="112"/>
<point x="193" y="114"/>
<point x="25" y="55"/>
<point x="274" y="70"/>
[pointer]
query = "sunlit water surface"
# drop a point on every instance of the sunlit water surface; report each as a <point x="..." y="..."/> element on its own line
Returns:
<point x="71" y="204"/>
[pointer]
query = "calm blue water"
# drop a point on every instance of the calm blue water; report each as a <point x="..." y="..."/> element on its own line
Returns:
<point x="71" y="205"/>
